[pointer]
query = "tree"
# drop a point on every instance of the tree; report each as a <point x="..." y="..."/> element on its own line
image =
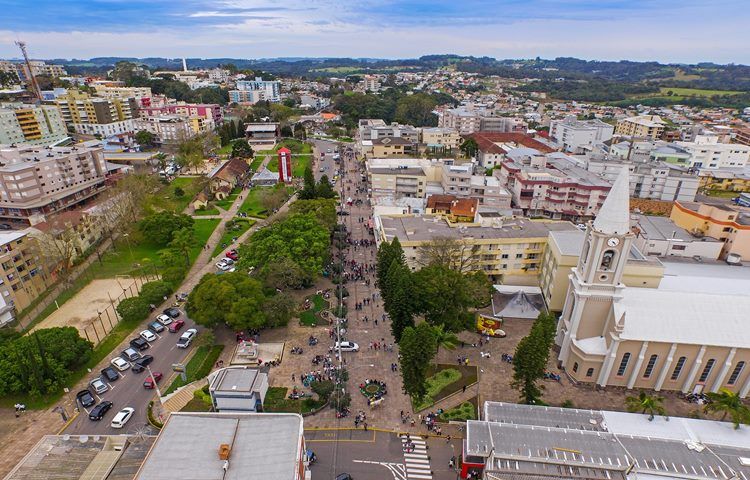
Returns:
<point x="183" y="242"/>
<point x="399" y="302"/>
<point x="7" y="79"/>
<point x="279" y="309"/>
<point x="58" y="247"/>
<point x="324" y="210"/>
<point x="133" y="309"/>
<point x="448" y="252"/>
<point x="444" y="339"/>
<point x="728" y="403"/>
<point x="273" y="198"/>
<point x="241" y="149"/>
<point x="651" y="404"/>
<point x="161" y="227"/>
<point x="154" y="292"/>
<point x="530" y="359"/>
<point x="179" y="192"/>
<point x="308" y="190"/>
<point x="286" y="131"/>
<point x="144" y="138"/>
<point x="418" y="346"/>
<point x="469" y="147"/>
<point x="191" y="153"/>
<point x="324" y="189"/>
<point x="416" y="110"/>
<point x="444" y="297"/>
<point x="283" y="274"/>
<point x="232" y="298"/>
<point x="387" y="253"/>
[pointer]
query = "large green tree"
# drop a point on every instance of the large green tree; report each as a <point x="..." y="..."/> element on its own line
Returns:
<point x="159" y="228"/>
<point x="308" y="190"/>
<point x="469" y="147"/>
<point x="645" y="403"/>
<point x="324" y="210"/>
<point x="183" y="241"/>
<point x="324" y="189"/>
<point x="399" y="302"/>
<point x="530" y="359"/>
<point x="418" y="346"/>
<point x="728" y="403"/>
<point x="144" y="138"/>
<point x="232" y="298"/>
<point x="241" y="149"/>
<point x="444" y="296"/>
<point x="416" y="110"/>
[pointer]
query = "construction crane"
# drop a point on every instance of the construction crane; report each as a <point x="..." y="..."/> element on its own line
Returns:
<point x="30" y="72"/>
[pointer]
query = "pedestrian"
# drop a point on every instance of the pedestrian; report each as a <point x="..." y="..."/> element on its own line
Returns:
<point x="293" y="378"/>
<point x="452" y="462"/>
<point x="448" y="439"/>
<point x="464" y="389"/>
<point x="365" y="425"/>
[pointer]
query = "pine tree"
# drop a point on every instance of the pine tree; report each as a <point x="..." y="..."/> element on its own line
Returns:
<point x="418" y="347"/>
<point x="324" y="188"/>
<point x="530" y="359"/>
<point x="308" y="191"/>
<point x="240" y="131"/>
<point x="399" y="304"/>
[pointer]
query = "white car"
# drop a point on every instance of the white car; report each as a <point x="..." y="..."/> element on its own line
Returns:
<point x="120" y="364"/>
<point x="148" y="335"/>
<point x="164" y="319"/>
<point x="223" y="266"/>
<point x="346" y="346"/>
<point x="122" y="417"/>
<point x="187" y="338"/>
<point x="98" y="385"/>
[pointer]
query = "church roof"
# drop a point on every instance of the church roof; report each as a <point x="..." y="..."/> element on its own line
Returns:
<point x="614" y="216"/>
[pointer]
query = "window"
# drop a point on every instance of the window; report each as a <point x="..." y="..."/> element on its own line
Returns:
<point x="650" y="366"/>
<point x="707" y="370"/>
<point x="575" y="367"/>
<point x="519" y="255"/>
<point x="590" y="372"/>
<point x="607" y="260"/>
<point x="504" y="255"/>
<point x="623" y="364"/>
<point x="679" y="247"/>
<point x="736" y="373"/>
<point x="678" y="368"/>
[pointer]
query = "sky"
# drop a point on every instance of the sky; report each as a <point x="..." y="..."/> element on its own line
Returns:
<point x="688" y="31"/>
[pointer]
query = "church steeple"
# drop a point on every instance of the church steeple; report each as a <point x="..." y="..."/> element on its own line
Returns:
<point x="614" y="216"/>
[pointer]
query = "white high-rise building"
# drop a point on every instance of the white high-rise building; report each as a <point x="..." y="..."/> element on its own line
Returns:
<point x="271" y="89"/>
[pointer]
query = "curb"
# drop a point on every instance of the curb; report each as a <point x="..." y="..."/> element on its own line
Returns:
<point x="67" y="424"/>
<point x="376" y="429"/>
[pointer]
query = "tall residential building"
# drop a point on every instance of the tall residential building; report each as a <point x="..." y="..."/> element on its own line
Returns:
<point x="579" y="136"/>
<point x="271" y="89"/>
<point x="38" y="67"/>
<point x="117" y="91"/>
<point x="688" y="335"/>
<point x="210" y="111"/>
<point x="31" y="124"/>
<point x="468" y="119"/>
<point x="22" y="277"/>
<point x="36" y="181"/>
<point x="371" y="83"/>
<point x="707" y="152"/>
<point x="96" y="116"/>
<point x="727" y="223"/>
<point x="494" y="146"/>
<point x="173" y="128"/>
<point x="650" y="126"/>
<point x="439" y="139"/>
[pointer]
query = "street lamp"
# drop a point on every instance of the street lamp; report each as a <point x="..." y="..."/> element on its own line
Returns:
<point x="127" y="240"/>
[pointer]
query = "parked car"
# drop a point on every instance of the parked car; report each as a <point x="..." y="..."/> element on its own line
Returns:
<point x="5" y="226"/>
<point x="130" y="354"/>
<point x="110" y="374"/>
<point x="98" y="385"/>
<point x="344" y="476"/>
<point x="139" y="343"/>
<point x="120" y="364"/>
<point x="85" y="398"/>
<point x="141" y="364"/>
<point x="97" y="413"/>
<point x="164" y="319"/>
<point x="346" y="346"/>
<point x="173" y="312"/>
<point x="156" y="327"/>
<point x="152" y="380"/>
<point x="122" y="417"/>
<point x="176" y="325"/>
<point x="232" y="254"/>
<point x="148" y="335"/>
<point x="187" y="338"/>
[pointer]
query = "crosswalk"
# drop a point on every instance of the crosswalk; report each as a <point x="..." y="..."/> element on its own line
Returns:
<point x="416" y="460"/>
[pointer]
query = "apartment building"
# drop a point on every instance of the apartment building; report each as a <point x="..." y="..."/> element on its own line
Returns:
<point x="371" y="83"/>
<point x="247" y="97"/>
<point x="375" y="129"/>
<point x="39" y="68"/>
<point x="650" y="126"/>
<point x="656" y="180"/>
<point x="662" y="237"/>
<point x="563" y="253"/>
<point x="38" y="181"/>
<point x="579" y="136"/>
<point x="707" y="152"/>
<point x="459" y="180"/>
<point x="173" y="128"/>
<point x="210" y="111"/>
<point x="726" y="223"/>
<point x="88" y="115"/>
<point x="31" y="124"/>
<point x="398" y="181"/>
<point x="271" y="89"/>
<point x="108" y="90"/>
<point x="468" y="119"/>
<point x="493" y="146"/>
<point x="742" y="135"/>
<point x="731" y="179"/>
<point x="552" y="185"/>
<point x="22" y="275"/>
<point x="391" y="147"/>
<point x="438" y="139"/>
<point x="508" y="251"/>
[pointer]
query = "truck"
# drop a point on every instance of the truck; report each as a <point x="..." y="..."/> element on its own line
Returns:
<point x="743" y="200"/>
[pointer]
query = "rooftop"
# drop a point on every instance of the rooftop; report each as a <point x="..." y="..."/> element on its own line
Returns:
<point x="261" y="446"/>
<point x="18" y="158"/>
<point x="662" y="228"/>
<point x="490" y="142"/>
<point x="428" y="227"/>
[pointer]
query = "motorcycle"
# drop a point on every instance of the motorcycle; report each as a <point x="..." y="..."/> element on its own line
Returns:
<point x="297" y="350"/>
<point x="312" y="341"/>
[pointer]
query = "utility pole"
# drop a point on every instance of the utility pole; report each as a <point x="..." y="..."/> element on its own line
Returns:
<point x="31" y="77"/>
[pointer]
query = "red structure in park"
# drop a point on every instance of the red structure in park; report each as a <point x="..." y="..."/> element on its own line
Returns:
<point x="285" y="165"/>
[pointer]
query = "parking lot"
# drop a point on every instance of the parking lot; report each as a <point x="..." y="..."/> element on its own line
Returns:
<point x="128" y="389"/>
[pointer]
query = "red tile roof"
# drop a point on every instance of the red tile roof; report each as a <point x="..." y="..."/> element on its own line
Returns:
<point x="487" y="141"/>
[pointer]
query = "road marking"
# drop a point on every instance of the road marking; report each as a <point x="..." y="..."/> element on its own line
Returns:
<point x="416" y="460"/>
<point x="396" y="469"/>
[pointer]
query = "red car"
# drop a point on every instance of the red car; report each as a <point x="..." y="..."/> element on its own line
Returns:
<point x="232" y="254"/>
<point x="176" y="325"/>
<point x="150" y="382"/>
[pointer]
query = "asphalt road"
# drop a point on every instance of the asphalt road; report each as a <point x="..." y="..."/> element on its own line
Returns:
<point x="324" y="165"/>
<point x="128" y="391"/>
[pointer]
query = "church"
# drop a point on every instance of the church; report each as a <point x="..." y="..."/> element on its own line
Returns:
<point x="693" y="340"/>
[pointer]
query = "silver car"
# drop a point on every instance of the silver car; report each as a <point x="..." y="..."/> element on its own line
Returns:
<point x="98" y="385"/>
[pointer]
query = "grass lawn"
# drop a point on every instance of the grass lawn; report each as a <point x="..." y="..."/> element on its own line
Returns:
<point x="164" y="199"/>
<point x="276" y="401"/>
<point x="240" y="226"/>
<point x="299" y="164"/>
<point x="443" y="380"/>
<point x="226" y="204"/>
<point x="205" y="212"/>
<point x="198" y="367"/>
<point x="696" y="92"/>
<point x="255" y="165"/>
<point x="204" y="227"/>
<point x="310" y="317"/>
<point x="225" y="150"/>
<point x="251" y="205"/>
<point x="720" y="193"/>
<point x="463" y="412"/>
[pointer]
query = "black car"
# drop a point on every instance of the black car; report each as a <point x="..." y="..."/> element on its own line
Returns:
<point x="97" y="413"/>
<point x="110" y="374"/>
<point x="172" y="312"/>
<point x="85" y="398"/>
<point x="139" y="343"/>
<point x="140" y="364"/>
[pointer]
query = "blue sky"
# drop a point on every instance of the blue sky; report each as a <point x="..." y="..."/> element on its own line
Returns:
<point x="695" y="30"/>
